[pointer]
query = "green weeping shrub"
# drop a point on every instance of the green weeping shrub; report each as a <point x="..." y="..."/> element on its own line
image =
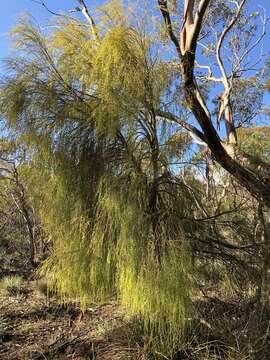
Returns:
<point x="87" y="107"/>
<point x="113" y="254"/>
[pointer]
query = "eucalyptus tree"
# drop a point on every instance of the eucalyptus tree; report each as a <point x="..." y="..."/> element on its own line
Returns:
<point x="225" y="30"/>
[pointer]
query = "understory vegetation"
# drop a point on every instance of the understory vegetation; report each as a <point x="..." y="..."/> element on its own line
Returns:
<point x="136" y="178"/>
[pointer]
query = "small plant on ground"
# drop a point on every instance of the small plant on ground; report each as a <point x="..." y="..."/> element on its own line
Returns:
<point x="12" y="285"/>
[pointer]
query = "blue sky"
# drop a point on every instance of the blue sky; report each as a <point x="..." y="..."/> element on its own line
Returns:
<point x="11" y="9"/>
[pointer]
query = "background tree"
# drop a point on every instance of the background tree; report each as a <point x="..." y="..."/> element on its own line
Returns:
<point x="20" y="230"/>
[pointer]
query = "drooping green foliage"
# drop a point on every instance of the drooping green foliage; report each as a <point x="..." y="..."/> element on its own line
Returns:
<point x="131" y="207"/>
<point x="115" y="252"/>
<point x="130" y="212"/>
<point x="107" y="198"/>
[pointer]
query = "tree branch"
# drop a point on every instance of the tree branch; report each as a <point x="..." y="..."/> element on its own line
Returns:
<point x="190" y="128"/>
<point x="89" y="18"/>
<point x="220" y="42"/>
<point x="191" y="28"/>
<point x="163" y="6"/>
<point x="225" y="105"/>
<point x="189" y="37"/>
<point x="46" y="7"/>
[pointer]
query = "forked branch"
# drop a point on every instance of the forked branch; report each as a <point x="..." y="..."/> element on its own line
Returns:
<point x="192" y="25"/>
